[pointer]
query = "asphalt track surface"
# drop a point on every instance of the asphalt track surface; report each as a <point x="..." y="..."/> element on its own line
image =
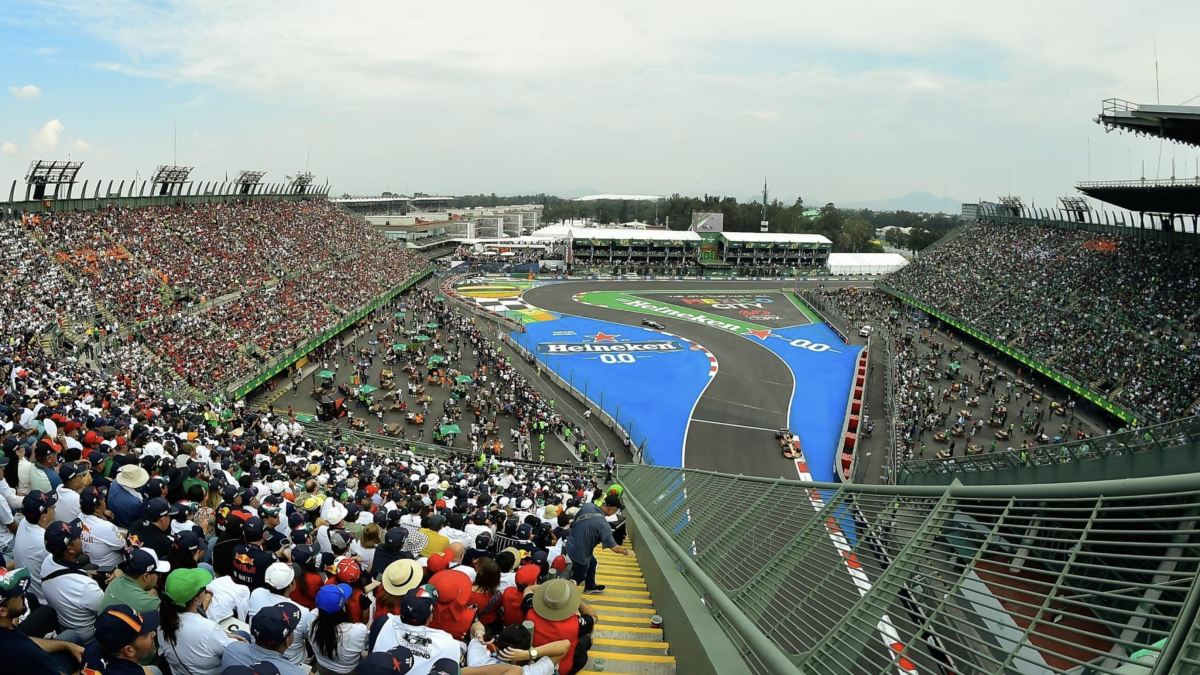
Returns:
<point x="732" y="428"/>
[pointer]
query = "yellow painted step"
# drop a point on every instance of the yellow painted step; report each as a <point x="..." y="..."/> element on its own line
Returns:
<point x="643" y="658"/>
<point x="628" y="574"/>
<point x="621" y="583"/>
<point x="612" y="619"/>
<point x="636" y="644"/>
<point x="605" y="597"/>
<point x="617" y="565"/>
<point x="630" y="629"/>
<point x="624" y="592"/>
<point x="618" y="608"/>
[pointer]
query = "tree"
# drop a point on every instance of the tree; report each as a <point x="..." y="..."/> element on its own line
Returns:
<point x="896" y="237"/>
<point x="920" y="238"/>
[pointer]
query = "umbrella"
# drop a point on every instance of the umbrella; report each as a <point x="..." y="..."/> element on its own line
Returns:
<point x="399" y="315"/>
<point x="436" y="358"/>
<point x="399" y="348"/>
<point x="373" y="342"/>
<point x="367" y="388"/>
<point x="301" y="417"/>
<point x="422" y="338"/>
<point x="954" y="366"/>
<point x="326" y="374"/>
<point x="450" y="429"/>
<point x="463" y="379"/>
<point x="364" y="364"/>
<point x="431" y="324"/>
<point x="439" y="299"/>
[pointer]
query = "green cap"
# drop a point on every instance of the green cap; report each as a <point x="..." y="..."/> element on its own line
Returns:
<point x="184" y="585"/>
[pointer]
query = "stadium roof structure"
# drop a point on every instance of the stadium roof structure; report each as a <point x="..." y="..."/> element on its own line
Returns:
<point x="619" y="198"/>
<point x="776" y="237"/>
<point x="628" y="233"/>
<point x="819" y="578"/>
<point x="1178" y="196"/>
<point x="1179" y="123"/>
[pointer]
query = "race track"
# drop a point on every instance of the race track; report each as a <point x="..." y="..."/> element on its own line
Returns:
<point x="732" y="427"/>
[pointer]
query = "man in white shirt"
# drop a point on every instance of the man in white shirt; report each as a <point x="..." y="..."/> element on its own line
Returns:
<point x="411" y="630"/>
<point x="29" y="549"/>
<point x="74" y="477"/>
<point x="71" y="591"/>
<point x="102" y="541"/>
<point x="280" y="582"/>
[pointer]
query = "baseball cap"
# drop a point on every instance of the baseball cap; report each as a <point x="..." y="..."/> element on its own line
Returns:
<point x="417" y="605"/>
<point x="330" y="599"/>
<point x="525" y="531"/>
<point x="613" y="501"/>
<point x="484" y="540"/>
<point x="229" y="493"/>
<point x="348" y="570"/>
<point x="187" y="541"/>
<point x="119" y="625"/>
<point x="445" y="667"/>
<point x="71" y="470"/>
<point x="279" y="575"/>
<point x="440" y="561"/>
<point x="437" y="521"/>
<point x="253" y="528"/>
<point x="13" y="583"/>
<point x="272" y="625"/>
<point x="36" y="504"/>
<point x="45" y="448"/>
<point x="339" y="540"/>
<point x="295" y="519"/>
<point x="396" y="661"/>
<point x="394" y="539"/>
<point x="144" y="561"/>
<point x="157" y="508"/>
<point x="527" y="575"/>
<point x="184" y="585"/>
<point x="90" y="498"/>
<point x="268" y="511"/>
<point x="59" y="536"/>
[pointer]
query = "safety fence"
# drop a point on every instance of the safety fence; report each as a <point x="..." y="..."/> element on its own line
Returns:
<point x="447" y="288"/>
<point x="836" y="321"/>
<point x="1180" y="433"/>
<point x="1064" y="380"/>
<point x="277" y="365"/>
<point x="1091" y="577"/>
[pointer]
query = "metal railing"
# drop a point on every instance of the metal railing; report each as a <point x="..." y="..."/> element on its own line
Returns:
<point x="1170" y="434"/>
<point x="820" y="578"/>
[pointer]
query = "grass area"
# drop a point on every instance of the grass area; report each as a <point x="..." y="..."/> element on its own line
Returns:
<point x="805" y="309"/>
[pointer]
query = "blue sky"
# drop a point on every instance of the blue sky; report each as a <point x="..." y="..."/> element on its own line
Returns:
<point x="858" y="100"/>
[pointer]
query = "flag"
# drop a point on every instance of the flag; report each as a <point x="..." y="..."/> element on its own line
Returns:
<point x="137" y="175"/>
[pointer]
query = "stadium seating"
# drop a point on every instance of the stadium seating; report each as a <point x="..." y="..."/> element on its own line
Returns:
<point x="1117" y="314"/>
<point x="279" y="272"/>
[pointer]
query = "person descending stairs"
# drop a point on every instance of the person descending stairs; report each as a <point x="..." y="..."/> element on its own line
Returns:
<point x="624" y="640"/>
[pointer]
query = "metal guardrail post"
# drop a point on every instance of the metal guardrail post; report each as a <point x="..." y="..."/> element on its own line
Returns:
<point x="768" y="652"/>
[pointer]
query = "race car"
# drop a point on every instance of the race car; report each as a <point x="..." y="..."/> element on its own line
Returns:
<point x="652" y="324"/>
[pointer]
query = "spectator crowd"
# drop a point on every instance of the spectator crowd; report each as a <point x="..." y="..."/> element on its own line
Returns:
<point x="138" y="531"/>
<point x="1117" y="314"/>
<point x="282" y="270"/>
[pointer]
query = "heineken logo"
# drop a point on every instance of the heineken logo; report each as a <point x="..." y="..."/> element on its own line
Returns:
<point x="609" y="347"/>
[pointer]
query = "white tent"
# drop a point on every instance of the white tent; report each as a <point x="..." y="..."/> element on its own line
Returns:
<point x="865" y="263"/>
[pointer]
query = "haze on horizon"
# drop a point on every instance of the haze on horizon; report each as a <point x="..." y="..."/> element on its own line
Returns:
<point x="856" y="101"/>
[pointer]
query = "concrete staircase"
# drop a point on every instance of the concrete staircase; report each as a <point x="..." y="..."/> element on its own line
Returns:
<point x="623" y="641"/>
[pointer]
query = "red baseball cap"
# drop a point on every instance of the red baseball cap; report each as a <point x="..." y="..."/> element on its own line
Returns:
<point x="440" y="561"/>
<point x="527" y="575"/>
<point x="348" y="570"/>
<point x="559" y="563"/>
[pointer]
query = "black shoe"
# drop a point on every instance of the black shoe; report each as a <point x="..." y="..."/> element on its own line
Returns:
<point x="594" y="591"/>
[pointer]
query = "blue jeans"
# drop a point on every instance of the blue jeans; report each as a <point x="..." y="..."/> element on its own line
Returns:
<point x="584" y="574"/>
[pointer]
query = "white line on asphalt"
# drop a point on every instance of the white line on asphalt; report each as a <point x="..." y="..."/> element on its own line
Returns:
<point x="740" y="426"/>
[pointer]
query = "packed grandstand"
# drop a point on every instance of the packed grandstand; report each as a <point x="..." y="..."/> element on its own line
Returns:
<point x="162" y="474"/>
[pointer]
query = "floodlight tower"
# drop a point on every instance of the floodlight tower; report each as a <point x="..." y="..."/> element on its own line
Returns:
<point x="762" y="224"/>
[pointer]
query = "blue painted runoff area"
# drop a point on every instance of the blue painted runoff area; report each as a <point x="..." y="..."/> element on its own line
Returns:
<point x="823" y="367"/>
<point x="649" y="382"/>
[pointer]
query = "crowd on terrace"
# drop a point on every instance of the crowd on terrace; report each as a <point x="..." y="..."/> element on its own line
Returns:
<point x="280" y="270"/>
<point x="1117" y="314"/>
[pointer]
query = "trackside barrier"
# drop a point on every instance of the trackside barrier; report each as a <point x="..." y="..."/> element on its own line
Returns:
<point x="277" y="365"/>
<point x="836" y="579"/>
<point x="610" y="421"/>
<point x="851" y="426"/>
<point x="1061" y="378"/>
<point x="832" y="318"/>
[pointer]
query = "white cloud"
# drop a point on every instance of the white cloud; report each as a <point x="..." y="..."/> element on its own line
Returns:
<point x="46" y="138"/>
<point x="81" y="146"/>
<point x="28" y="91"/>
<point x="764" y="115"/>
<point x="47" y="51"/>
<point x="9" y="148"/>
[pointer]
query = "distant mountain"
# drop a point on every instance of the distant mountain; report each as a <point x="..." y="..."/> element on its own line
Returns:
<point x="920" y="202"/>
